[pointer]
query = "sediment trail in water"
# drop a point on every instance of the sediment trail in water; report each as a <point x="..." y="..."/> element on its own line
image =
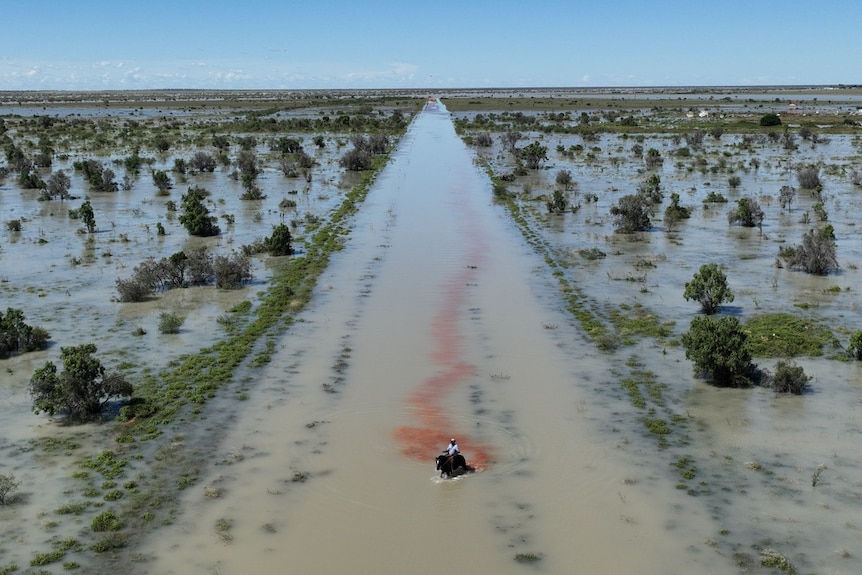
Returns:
<point x="430" y="397"/>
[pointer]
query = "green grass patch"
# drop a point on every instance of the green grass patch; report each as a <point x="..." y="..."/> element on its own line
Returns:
<point x="785" y="335"/>
<point x="636" y="320"/>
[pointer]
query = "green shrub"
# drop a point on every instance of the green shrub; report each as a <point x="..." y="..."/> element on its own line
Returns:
<point x="855" y="349"/>
<point x="8" y="486"/>
<point x="170" y="322"/>
<point x="788" y="378"/>
<point x="720" y="350"/>
<point x="770" y="119"/>
<point x="106" y="521"/>
<point x="109" y="542"/>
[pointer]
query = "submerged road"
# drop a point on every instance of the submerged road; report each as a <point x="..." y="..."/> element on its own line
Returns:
<point x="432" y="323"/>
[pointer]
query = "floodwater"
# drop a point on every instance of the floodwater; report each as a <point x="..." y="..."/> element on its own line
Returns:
<point x="432" y="323"/>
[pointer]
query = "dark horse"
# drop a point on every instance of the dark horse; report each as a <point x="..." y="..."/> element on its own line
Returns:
<point x="450" y="465"/>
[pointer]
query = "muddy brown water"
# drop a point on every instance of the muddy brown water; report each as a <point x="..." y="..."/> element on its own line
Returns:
<point x="438" y="320"/>
<point x="437" y="310"/>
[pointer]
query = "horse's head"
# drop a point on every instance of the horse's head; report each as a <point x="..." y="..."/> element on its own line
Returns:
<point x="439" y="459"/>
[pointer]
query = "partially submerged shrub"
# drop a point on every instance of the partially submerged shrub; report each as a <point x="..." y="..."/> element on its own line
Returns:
<point x="747" y="213"/>
<point x="709" y="288"/>
<point x="770" y="119"/>
<point x="855" y="348"/>
<point x="230" y="271"/>
<point x="632" y="214"/>
<point x="106" y="521"/>
<point x="356" y="160"/>
<point x="808" y="178"/>
<point x="720" y="351"/>
<point x="816" y="253"/>
<point x="17" y="337"/>
<point x="788" y="378"/>
<point x="170" y="322"/>
<point x="81" y="389"/>
<point x="8" y="486"/>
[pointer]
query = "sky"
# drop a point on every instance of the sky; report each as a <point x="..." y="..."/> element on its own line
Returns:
<point x="344" y="44"/>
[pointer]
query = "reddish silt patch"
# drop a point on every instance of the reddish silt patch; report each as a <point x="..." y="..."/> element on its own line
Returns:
<point x="433" y="429"/>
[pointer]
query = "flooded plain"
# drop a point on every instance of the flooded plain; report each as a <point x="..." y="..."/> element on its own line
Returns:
<point x="438" y="319"/>
<point x="429" y="325"/>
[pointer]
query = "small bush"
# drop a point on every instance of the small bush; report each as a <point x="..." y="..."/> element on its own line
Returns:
<point x="808" y="178"/>
<point x="747" y="213"/>
<point x="230" y="271"/>
<point x="356" y="160"/>
<point x="106" y="521"/>
<point x="855" y="349"/>
<point x="109" y="542"/>
<point x="170" y="322"/>
<point x="770" y="120"/>
<point x="788" y="378"/>
<point x="8" y="486"/>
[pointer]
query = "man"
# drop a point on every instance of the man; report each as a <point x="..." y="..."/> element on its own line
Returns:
<point x="452" y="448"/>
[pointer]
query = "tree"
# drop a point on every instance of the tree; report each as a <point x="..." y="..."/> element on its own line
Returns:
<point x="808" y="178"/>
<point x="285" y="145"/>
<point x="279" y="243"/>
<point x="8" y="486"/>
<point x="709" y="288"/>
<point x="509" y="139"/>
<point x="653" y="158"/>
<point x="58" y="185"/>
<point x="85" y="212"/>
<point x="534" y="155"/>
<point x="631" y="214"/>
<point x="786" y="196"/>
<point x="747" y="213"/>
<point x="558" y="203"/>
<point x="788" y="378"/>
<point x="719" y="349"/>
<point x="674" y="212"/>
<point x="162" y="181"/>
<point x="816" y="253"/>
<point x="202" y="162"/>
<point x="230" y="271"/>
<point x="196" y="216"/>
<point x="81" y="390"/>
<point x="855" y="349"/>
<point x="770" y="119"/>
<point x="16" y="336"/>
<point x="356" y="160"/>
<point x="564" y="179"/>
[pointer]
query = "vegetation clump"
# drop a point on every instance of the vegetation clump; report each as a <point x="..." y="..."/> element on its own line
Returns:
<point x="195" y="215"/>
<point x="8" y="486"/>
<point x="747" y="213"/>
<point x="81" y="389"/>
<point x="785" y="335"/>
<point x="106" y="521"/>
<point x="816" y="254"/>
<point x="855" y="347"/>
<point x="788" y="378"/>
<point x="770" y="119"/>
<point x="720" y="350"/>
<point x="170" y="322"/>
<point x="19" y="337"/>
<point x="709" y="288"/>
<point x="632" y="214"/>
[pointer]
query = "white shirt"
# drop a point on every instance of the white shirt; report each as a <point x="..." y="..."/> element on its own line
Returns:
<point x="452" y="448"/>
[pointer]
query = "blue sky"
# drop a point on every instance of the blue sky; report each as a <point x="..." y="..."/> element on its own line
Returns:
<point x="254" y="44"/>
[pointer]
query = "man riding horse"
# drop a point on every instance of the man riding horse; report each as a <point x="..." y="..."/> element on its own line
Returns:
<point x="451" y="460"/>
